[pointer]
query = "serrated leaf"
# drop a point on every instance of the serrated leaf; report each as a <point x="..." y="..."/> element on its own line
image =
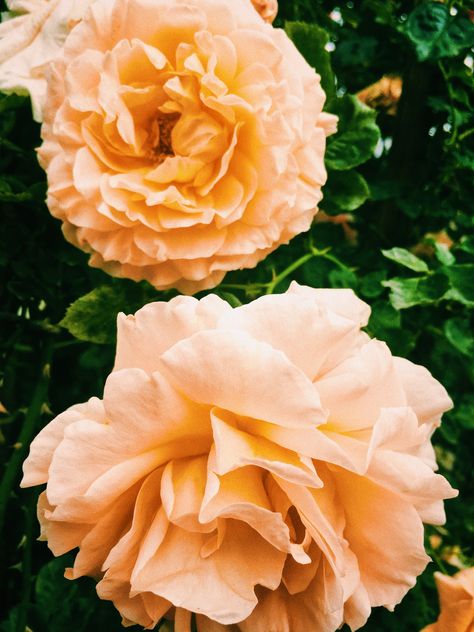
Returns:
<point x="342" y="278"/>
<point x="311" y="41"/>
<point x="371" y="284"/>
<point x="436" y="33"/>
<point x="409" y="292"/>
<point x="344" y="191"/>
<point x="464" y="412"/>
<point x="59" y="601"/>
<point x="459" y="333"/>
<point x="7" y="194"/>
<point x="92" y="317"/>
<point x="406" y="258"/>
<point x="384" y="316"/>
<point x="65" y="605"/>
<point x="357" y="134"/>
<point x="461" y="278"/>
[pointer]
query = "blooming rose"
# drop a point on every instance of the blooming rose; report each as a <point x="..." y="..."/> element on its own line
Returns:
<point x="30" y="38"/>
<point x="182" y="139"/>
<point x="267" y="467"/>
<point x="456" y="596"/>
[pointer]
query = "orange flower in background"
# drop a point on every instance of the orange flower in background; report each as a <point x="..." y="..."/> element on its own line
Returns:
<point x="268" y="9"/>
<point x="32" y="34"/>
<point x="384" y="94"/>
<point x="456" y="598"/>
<point x="182" y="139"/>
<point x="267" y="467"/>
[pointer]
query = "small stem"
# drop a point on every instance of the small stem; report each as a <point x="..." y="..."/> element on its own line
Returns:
<point x="29" y="426"/>
<point x="465" y="134"/>
<point x="454" y="134"/>
<point x="68" y="343"/>
<point x="291" y="268"/>
<point x="438" y="561"/>
<point x="324" y="254"/>
<point x="27" y="563"/>
<point x="247" y="288"/>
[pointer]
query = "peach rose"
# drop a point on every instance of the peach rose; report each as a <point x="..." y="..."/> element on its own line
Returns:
<point x="31" y="36"/>
<point x="182" y="139"/>
<point x="456" y="597"/>
<point x="268" y="468"/>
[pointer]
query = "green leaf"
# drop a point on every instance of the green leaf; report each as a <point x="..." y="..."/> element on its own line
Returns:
<point x="462" y="283"/>
<point x="356" y="137"/>
<point x="58" y="601"/>
<point x="384" y="316"/>
<point x="436" y="33"/>
<point x="459" y="333"/>
<point x="229" y="297"/>
<point x="450" y="431"/>
<point x="371" y="285"/>
<point x="467" y="244"/>
<point x="443" y="254"/>
<point x="406" y="293"/>
<point x="464" y="412"/>
<point x="342" y="278"/>
<point x="10" y="624"/>
<point x="406" y="258"/>
<point x="7" y="194"/>
<point x="344" y="191"/>
<point x="311" y="41"/>
<point x="93" y="316"/>
<point x="62" y="604"/>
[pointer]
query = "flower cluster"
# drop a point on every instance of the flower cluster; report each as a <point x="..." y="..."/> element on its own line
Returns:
<point x="267" y="467"/>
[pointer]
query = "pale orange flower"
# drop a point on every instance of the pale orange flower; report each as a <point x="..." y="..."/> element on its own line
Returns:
<point x="267" y="467"/>
<point x="182" y="139"/>
<point x="456" y="598"/>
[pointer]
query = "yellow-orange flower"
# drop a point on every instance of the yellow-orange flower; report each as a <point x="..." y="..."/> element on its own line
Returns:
<point x="456" y="598"/>
<point x="182" y="139"/>
<point x="267" y="467"/>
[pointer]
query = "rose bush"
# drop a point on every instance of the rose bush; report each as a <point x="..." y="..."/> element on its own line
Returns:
<point x="182" y="139"/>
<point x="267" y="467"/>
<point x="456" y="597"/>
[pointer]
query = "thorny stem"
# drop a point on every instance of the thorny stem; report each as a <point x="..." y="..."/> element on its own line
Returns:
<point x="454" y="135"/>
<point x="26" y="563"/>
<point x="28" y="429"/>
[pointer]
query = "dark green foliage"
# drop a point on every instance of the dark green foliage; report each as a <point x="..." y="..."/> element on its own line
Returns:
<point x="408" y="250"/>
<point x="311" y="41"/>
<point x="357" y="134"/>
<point x="438" y="32"/>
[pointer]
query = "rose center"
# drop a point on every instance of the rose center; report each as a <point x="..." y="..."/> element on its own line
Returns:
<point x="164" y="146"/>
